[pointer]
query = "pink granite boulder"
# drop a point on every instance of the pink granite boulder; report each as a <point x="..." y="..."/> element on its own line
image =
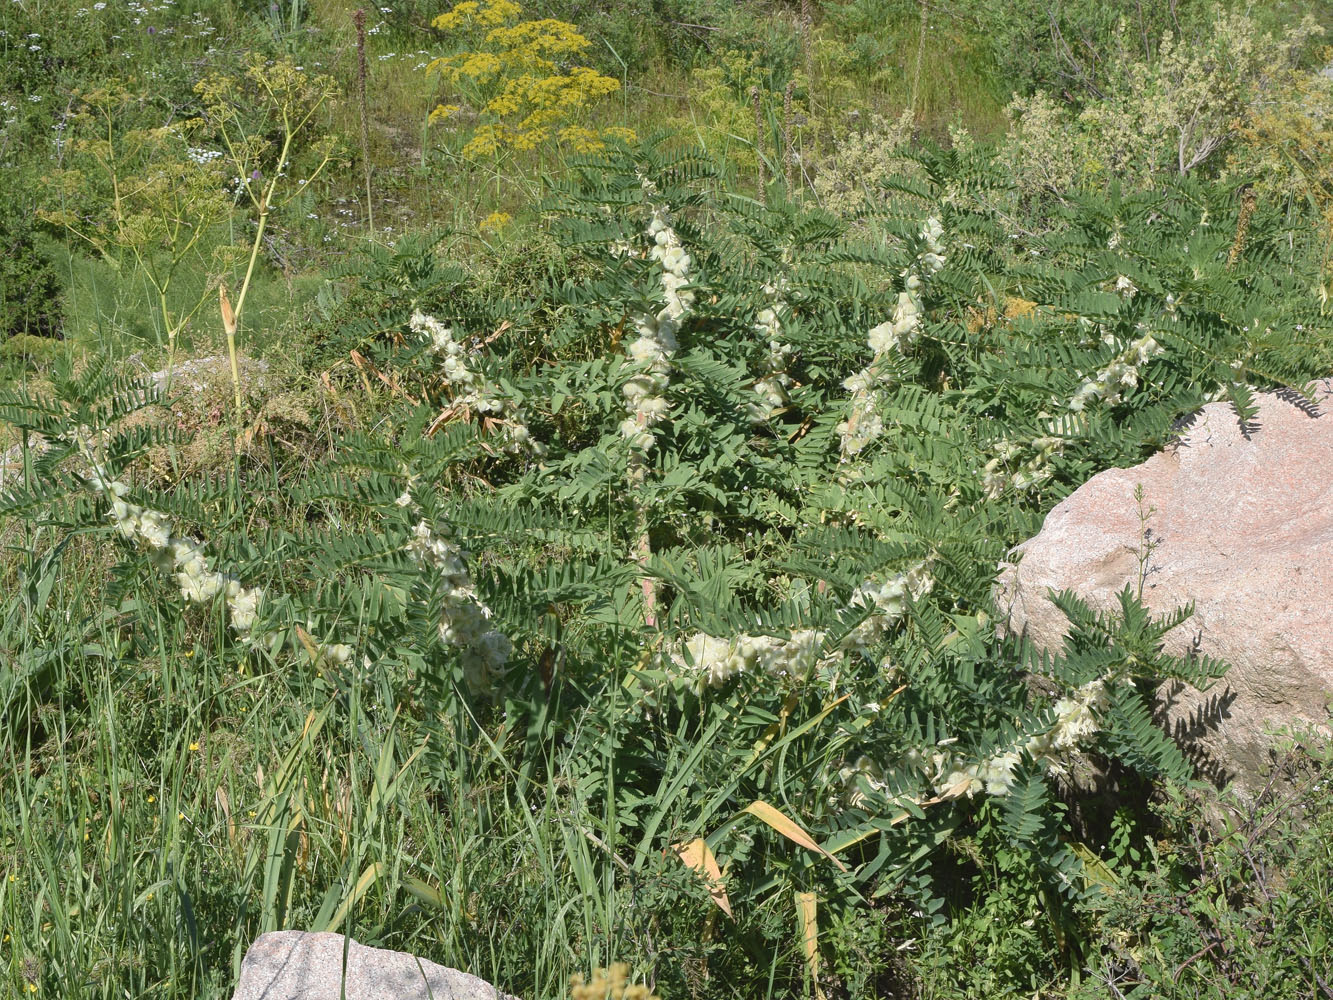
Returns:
<point x="293" y="965"/>
<point x="1242" y="526"/>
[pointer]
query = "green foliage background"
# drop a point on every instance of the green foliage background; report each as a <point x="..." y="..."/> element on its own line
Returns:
<point x="171" y="789"/>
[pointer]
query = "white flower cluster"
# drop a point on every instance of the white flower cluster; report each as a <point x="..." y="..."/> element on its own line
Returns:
<point x="996" y="476"/>
<point x="1075" y="722"/>
<point x="178" y="555"/>
<point x="715" y="661"/>
<point x="184" y="558"/>
<point x="994" y="776"/>
<point x="863" y="424"/>
<point x="902" y="329"/>
<point x="338" y="653"/>
<point x="855" y="778"/>
<point x="464" y="618"/>
<point x="948" y="776"/>
<point x="952" y="777"/>
<point x="1122" y="373"/>
<point x="771" y="387"/>
<point x="651" y="351"/>
<point x="888" y="603"/>
<point x="472" y="392"/>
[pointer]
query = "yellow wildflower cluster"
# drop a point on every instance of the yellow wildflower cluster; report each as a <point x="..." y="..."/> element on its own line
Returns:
<point x="517" y="74"/>
<point x="609" y="984"/>
<point x="486" y="14"/>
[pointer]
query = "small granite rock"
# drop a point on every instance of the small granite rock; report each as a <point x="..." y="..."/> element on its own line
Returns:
<point x="1242" y="526"/>
<point x="11" y="460"/>
<point x="294" y="965"/>
<point x="195" y="375"/>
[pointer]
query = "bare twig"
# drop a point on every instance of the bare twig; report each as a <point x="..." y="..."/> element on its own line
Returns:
<point x="1175" y="976"/>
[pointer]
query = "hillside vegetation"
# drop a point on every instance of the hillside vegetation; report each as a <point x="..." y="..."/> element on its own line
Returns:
<point x="523" y="485"/>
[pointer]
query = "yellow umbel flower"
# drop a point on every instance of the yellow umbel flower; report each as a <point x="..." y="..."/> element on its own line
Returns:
<point x="518" y="74"/>
<point x="470" y="12"/>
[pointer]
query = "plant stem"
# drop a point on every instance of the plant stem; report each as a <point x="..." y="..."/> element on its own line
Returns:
<point x="920" y="54"/>
<point x="240" y="302"/>
<point x="171" y="335"/>
<point x="788" y="156"/>
<point x="759" y="143"/>
<point x="359" y="19"/>
<point x="643" y="546"/>
<point x="250" y="270"/>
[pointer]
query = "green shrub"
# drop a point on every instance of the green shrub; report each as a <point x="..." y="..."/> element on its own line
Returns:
<point x="687" y="553"/>
<point x="30" y="289"/>
<point x="1073" y="48"/>
<point x="1174" y="111"/>
<point x="1230" y="900"/>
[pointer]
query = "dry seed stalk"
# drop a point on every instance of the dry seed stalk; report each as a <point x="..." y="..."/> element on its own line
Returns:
<point x="807" y="40"/>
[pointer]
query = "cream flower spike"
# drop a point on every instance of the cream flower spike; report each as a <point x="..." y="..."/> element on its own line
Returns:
<point x="180" y="556"/>
<point x="464" y="618"/>
<point x="895" y="336"/>
<point x="471" y="389"/>
<point x="645" y="392"/>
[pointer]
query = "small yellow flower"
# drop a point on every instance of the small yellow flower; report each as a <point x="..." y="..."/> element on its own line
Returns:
<point x="194" y="746"/>
<point x="180" y="815"/>
<point x="152" y="799"/>
<point x="495" y="222"/>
